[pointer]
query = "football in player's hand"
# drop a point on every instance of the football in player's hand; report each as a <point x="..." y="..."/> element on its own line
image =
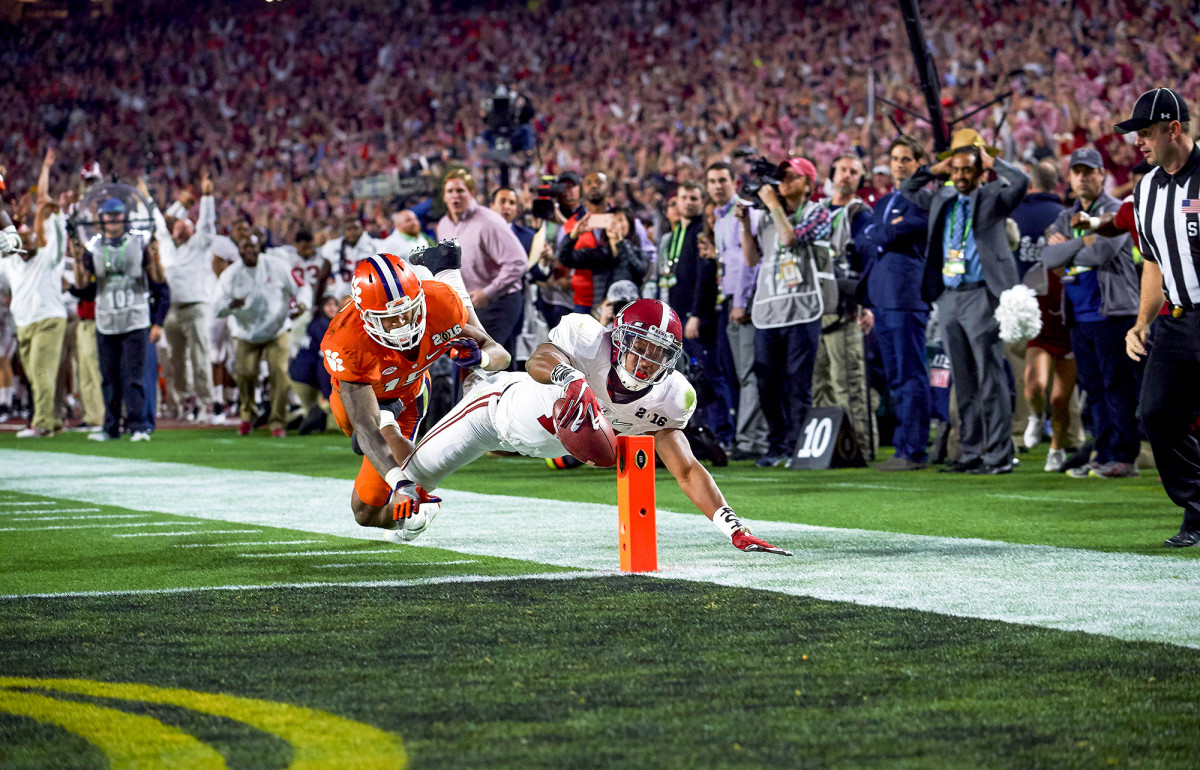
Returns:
<point x="585" y="433"/>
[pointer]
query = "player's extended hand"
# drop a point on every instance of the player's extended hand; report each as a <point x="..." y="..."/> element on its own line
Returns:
<point x="465" y="352"/>
<point x="744" y="541"/>
<point x="580" y="399"/>
<point x="405" y="500"/>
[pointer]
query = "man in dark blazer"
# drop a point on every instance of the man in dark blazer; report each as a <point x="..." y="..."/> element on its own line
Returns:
<point x="894" y="244"/>
<point x="968" y="265"/>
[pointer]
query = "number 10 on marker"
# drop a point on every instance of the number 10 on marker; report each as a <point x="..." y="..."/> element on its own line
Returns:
<point x="816" y="438"/>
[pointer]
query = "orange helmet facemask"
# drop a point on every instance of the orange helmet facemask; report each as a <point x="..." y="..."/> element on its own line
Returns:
<point x="386" y="288"/>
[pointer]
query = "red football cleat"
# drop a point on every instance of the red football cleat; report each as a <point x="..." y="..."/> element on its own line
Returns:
<point x="744" y="541"/>
<point x="244" y="428"/>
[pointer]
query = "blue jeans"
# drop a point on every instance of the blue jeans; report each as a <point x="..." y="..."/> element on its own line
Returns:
<point x="1109" y="378"/>
<point x="151" y="385"/>
<point x="901" y="335"/>
<point x="123" y="380"/>
<point x="783" y="364"/>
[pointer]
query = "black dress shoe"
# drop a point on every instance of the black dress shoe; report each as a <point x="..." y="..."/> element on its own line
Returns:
<point x="961" y="467"/>
<point x="1185" y="538"/>
<point x="991" y="470"/>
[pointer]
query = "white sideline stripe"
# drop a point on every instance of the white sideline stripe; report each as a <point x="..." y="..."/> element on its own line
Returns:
<point x="49" y="510"/>
<point x="191" y="532"/>
<point x="393" y="564"/>
<point x="4" y="504"/>
<point x="95" y="526"/>
<point x="437" y="580"/>
<point x="104" y="516"/>
<point x="238" y="545"/>
<point x="342" y="552"/>
<point x="1127" y="596"/>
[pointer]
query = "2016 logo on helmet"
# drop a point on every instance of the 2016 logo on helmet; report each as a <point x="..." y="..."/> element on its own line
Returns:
<point x="446" y="336"/>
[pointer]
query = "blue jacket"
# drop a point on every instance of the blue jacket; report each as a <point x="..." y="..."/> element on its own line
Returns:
<point x="895" y="254"/>
<point x="1036" y="213"/>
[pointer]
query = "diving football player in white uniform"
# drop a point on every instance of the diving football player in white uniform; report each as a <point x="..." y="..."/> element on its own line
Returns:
<point x="628" y="374"/>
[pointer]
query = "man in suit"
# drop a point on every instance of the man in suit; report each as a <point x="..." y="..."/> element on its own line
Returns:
<point x="894" y="244"/>
<point x="968" y="265"/>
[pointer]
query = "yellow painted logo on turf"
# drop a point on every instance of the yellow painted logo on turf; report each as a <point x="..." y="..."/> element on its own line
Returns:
<point x="318" y="739"/>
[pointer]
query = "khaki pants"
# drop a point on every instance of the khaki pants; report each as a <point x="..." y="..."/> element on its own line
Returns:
<point x="186" y="331"/>
<point x="40" y="345"/>
<point x="249" y="356"/>
<point x="88" y="363"/>
<point x="840" y="379"/>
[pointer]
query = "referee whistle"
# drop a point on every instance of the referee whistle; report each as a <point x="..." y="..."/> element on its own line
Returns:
<point x="1177" y="312"/>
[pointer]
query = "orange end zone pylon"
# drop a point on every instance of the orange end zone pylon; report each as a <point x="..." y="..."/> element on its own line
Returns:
<point x="635" y="503"/>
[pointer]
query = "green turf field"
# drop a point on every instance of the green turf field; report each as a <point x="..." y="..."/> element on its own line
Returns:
<point x="171" y="615"/>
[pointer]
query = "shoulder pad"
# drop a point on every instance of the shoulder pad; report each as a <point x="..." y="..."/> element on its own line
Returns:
<point x="446" y="255"/>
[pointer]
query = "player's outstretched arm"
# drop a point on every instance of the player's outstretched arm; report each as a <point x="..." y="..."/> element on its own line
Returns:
<point x="494" y="358"/>
<point x="363" y="410"/>
<point x="696" y="482"/>
<point x="541" y="364"/>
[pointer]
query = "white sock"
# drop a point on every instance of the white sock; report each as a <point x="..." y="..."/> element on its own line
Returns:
<point x="6" y="395"/>
<point x="726" y="521"/>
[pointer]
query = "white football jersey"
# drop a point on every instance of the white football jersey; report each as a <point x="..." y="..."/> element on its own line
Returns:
<point x="669" y="404"/>
<point x="304" y="271"/>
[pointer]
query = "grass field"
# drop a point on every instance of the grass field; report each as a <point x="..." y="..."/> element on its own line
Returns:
<point x="208" y="601"/>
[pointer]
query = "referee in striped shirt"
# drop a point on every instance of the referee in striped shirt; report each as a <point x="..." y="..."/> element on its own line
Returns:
<point x="1167" y="210"/>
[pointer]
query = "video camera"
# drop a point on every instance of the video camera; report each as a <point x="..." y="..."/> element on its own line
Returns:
<point x="763" y="172"/>
<point x="547" y="195"/>
<point x="506" y="115"/>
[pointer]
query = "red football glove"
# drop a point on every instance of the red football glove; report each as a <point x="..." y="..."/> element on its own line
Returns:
<point x="581" y="404"/>
<point x="744" y="541"/>
<point x="465" y="352"/>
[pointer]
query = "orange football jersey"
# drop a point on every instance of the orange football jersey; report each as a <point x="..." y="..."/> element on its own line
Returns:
<point x="352" y="356"/>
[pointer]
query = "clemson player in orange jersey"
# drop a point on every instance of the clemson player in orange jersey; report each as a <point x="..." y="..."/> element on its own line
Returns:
<point x="377" y="350"/>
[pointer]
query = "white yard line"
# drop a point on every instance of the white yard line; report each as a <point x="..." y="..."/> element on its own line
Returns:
<point x="1127" y="596"/>
<point x="318" y="584"/>
<point x="7" y="504"/>
<point x="104" y="516"/>
<point x="342" y="552"/>
<point x="393" y="564"/>
<point x="49" y="510"/>
<point x="95" y="526"/>
<point x="193" y="532"/>
<point x="237" y="545"/>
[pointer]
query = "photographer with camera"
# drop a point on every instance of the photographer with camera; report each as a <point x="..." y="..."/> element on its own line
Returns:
<point x="787" y="306"/>
<point x="840" y="376"/>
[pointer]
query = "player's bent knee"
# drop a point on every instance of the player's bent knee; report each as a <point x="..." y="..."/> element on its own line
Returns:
<point x="365" y="514"/>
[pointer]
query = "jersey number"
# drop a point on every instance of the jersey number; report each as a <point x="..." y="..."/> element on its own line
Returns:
<point x="816" y="438"/>
<point x="654" y="417"/>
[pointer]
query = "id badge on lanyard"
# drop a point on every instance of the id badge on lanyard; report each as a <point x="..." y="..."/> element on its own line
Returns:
<point x="789" y="272"/>
<point x="956" y="263"/>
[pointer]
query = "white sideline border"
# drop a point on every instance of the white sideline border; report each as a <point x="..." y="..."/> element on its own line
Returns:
<point x="1126" y="596"/>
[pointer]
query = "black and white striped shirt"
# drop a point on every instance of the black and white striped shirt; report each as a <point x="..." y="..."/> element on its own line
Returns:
<point x="1168" y="222"/>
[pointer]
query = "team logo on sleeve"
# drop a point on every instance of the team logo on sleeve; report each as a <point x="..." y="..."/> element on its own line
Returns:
<point x="333" y="360"/>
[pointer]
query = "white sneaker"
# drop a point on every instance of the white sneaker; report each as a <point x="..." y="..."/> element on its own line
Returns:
<point x="34" y="433"/>
<point x="140" y="435"/>
<point x="100" y="435"/>
<point x="1033" y="431"/>
<point x="1055" y="460"/>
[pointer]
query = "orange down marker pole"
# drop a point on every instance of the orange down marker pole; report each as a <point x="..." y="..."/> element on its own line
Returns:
<point x="635" y="503"/>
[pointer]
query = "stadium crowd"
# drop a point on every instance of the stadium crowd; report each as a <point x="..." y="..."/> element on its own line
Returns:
<point x="251" y="128"/>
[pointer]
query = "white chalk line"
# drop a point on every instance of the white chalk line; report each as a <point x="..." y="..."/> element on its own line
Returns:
<point x="237" y="545"/>
<point x="103" y="516"/>
<point x="316" y="584"/>
<point x="394" y="563"/>
<point x="193" y="532"/>
<point x="1127" y="596"/>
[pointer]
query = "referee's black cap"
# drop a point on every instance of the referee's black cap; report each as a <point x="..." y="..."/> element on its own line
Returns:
<point x="1154" y="106"/>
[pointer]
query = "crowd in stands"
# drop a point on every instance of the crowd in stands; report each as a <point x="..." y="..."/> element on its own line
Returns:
<point x="643" y="110"/>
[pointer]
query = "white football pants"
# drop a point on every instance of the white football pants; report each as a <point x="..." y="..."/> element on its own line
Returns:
<point x="507" y="411"/>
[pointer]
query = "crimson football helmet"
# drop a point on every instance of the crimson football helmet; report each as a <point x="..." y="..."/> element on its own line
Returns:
<point x="651" y="332"/>
<point x="385" y="290"/>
